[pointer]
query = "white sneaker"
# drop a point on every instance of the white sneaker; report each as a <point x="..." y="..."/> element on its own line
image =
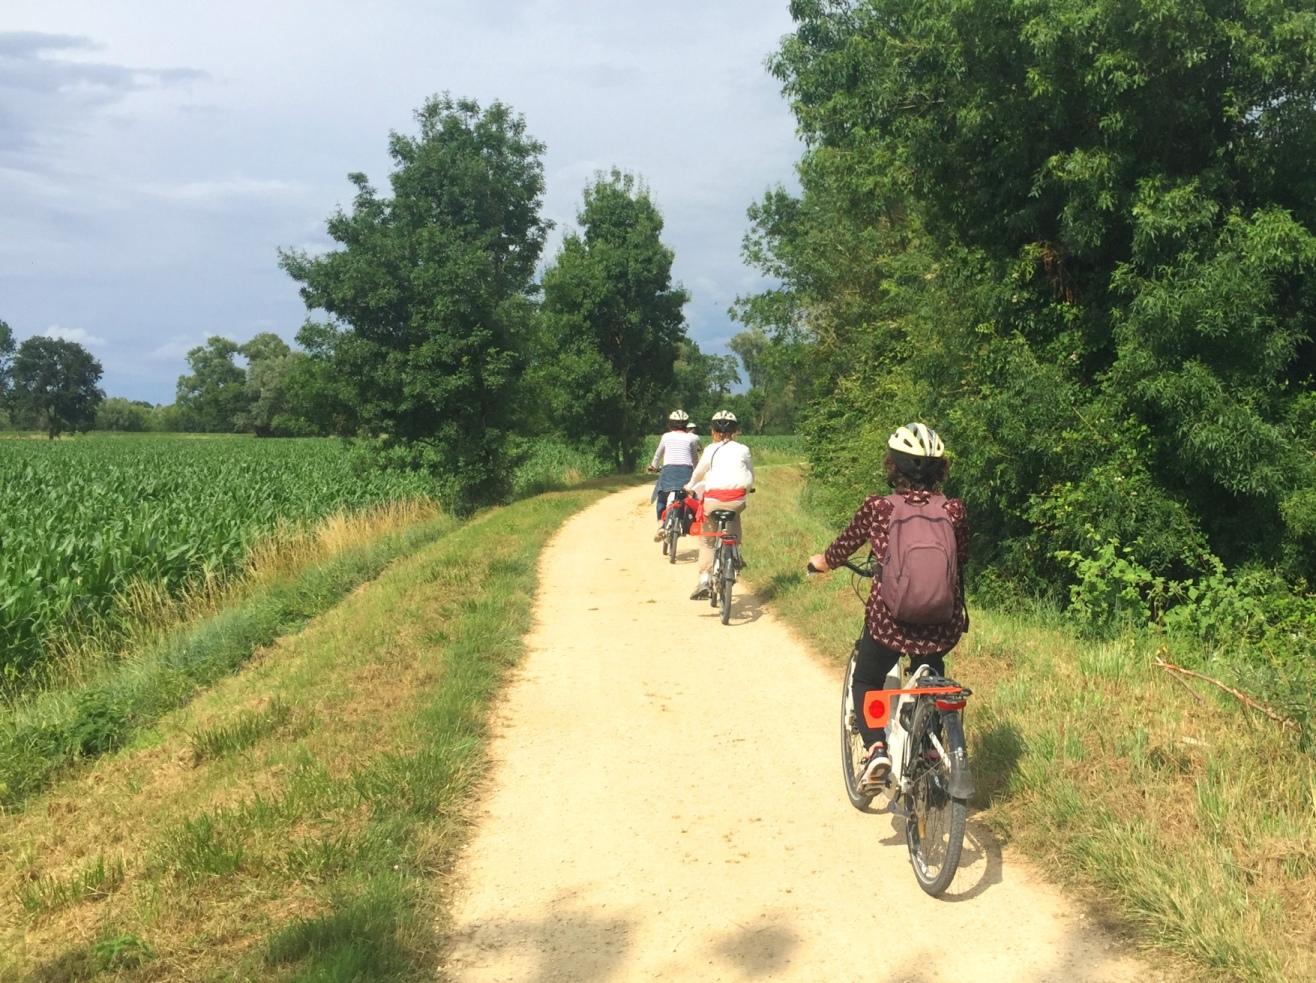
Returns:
<point x="877" y="767"/>
<point x="702" y="590"/>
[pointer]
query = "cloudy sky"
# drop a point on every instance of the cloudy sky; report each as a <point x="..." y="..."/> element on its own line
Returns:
<point x="154" y="154"/>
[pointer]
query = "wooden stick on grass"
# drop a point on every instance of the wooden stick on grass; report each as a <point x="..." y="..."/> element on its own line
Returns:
<point x="1237" y="694"/>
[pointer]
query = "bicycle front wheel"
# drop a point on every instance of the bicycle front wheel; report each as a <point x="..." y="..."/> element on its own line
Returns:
<point x="934" y="828"/>
<point x="852" y="745"/>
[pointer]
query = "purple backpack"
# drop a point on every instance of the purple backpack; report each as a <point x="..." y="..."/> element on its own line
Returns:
<point x="920" y="572"/>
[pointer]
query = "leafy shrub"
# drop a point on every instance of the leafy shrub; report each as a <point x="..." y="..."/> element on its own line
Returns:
<point x="1112" y="590"/>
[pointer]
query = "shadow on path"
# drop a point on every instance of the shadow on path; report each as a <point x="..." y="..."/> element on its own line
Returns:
<point x="566" y="945"/>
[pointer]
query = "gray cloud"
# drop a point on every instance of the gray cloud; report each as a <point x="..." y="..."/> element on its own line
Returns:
<point x="146" y="205"/>
<point x="43" y="95"/>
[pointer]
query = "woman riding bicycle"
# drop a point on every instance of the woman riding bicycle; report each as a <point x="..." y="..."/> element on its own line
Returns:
<point x="677" y="450"/>
<point x="723" y="476"/>
<point x="916" y="466"/>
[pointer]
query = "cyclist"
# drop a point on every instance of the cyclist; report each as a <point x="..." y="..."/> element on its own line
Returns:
<point x="915" y="466"/>
<point x="723" y="476"/>
<point x="677" y="450"/>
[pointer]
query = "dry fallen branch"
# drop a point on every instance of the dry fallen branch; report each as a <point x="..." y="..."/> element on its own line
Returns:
<point x="1237" y="694"/>
<point x="1184" y="683"/>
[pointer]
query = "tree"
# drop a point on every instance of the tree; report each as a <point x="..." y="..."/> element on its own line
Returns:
<point x="427" y="292"/>
<point x="165" y="418"/>
<point x="1082" y="239"/>
<point x="780" y="377"/>
<point x="213" y="397"/>
<point x="318" y="394"/>
<point x="54" y="384"/>
<point x="270" y="409"/>
<point x="702" y="385"/>
<point x="123" y="415"/>
<point x="6" y="358"/>
<point x="613" y="321"/>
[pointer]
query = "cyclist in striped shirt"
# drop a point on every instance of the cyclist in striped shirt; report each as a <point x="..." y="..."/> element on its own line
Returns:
<point x="677" y="451"/>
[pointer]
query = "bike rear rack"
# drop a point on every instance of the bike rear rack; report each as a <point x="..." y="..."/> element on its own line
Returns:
<point x="887" y="698"/>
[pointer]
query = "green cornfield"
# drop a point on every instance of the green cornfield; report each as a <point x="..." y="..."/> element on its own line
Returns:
<point x="82" y="520"/>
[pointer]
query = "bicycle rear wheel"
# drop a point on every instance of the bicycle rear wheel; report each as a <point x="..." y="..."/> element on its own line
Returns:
<point x="715" y="578"/>
<point x="852" y="745"/>
<point x="673" y="531"/>
<point x="728" y="581"/>
<point x="934" y="829"/>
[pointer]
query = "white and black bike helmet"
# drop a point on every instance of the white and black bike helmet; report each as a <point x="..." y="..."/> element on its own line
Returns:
<point x="917" y="440"/>
<point x="918" y="453"/>
<point x="724" y="421"/>
<point x="678" y="416"/>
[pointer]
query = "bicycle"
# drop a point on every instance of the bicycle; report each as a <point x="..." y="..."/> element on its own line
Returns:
<point x="930" y="781"/>
<point x="726" y="563"/>
<point x="674" y="522"/>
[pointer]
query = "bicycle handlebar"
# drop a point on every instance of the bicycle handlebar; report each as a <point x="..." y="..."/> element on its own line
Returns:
<point x="863" y="571"/>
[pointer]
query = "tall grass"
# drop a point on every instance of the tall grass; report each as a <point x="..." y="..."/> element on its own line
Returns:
<point x="311" y="847"/>
<point x="101" y="710"/>
<point x="552" y="465"/>
<point x="1189" y="817"/>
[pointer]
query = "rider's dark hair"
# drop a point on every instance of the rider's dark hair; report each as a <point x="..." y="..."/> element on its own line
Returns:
<point x="675" y="424"/>
<point x="906" y="472"/>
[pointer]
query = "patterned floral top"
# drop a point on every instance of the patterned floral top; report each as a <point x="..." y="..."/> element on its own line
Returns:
<point x="870" y="524"/>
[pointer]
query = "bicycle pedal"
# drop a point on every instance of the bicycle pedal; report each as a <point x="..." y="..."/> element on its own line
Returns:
<point x="875" y="787"/>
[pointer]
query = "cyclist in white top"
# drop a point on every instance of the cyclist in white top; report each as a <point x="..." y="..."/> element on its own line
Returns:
<point x="723" y="477"/>
<point x="677" y="451"/>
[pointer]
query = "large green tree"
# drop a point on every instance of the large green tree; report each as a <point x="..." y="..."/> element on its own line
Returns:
<point x="1079" y="235"/>
<point x="213" y="396"/>
<point x="54" y="385"/>
<point x="612" y="320"/>
<point x="427" y="291"/>
<point x="271" y="408"/>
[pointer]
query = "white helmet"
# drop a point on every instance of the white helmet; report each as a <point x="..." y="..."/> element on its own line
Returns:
<point x="724" y="420"/>
<point x="691" y="425"/>
<point x="917" y="440"/>
<point x="678" y="416"/>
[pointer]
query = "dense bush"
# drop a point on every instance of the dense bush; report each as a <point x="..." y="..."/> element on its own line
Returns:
<point x="1082" y="244"/>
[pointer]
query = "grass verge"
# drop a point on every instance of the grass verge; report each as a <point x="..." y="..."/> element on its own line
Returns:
<point x="301" y="844"/>
<point x="1187" y="817"/>
<point x="43" y="733"/>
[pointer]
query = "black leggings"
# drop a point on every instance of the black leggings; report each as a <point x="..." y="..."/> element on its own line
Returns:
<point x="872" y="664"/>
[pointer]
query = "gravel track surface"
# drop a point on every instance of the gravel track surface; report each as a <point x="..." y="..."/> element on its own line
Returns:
<point x="666" y="802"/>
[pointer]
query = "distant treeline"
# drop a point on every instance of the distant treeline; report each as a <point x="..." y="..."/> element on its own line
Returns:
<point x="437" y="335"/>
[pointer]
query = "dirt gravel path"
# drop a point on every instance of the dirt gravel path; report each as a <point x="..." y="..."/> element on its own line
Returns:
<point x="666" y="803"/>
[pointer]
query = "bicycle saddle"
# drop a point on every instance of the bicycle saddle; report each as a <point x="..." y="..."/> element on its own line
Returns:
<point x="722" y="514"/>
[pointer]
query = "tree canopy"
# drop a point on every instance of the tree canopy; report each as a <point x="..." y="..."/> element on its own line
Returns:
<point x="612" y="319"/>
<point x="1077" y="236"/>
<point x="427" y="290"/>
<point x="213" y="396"/>
<point x="53" y="383"/>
